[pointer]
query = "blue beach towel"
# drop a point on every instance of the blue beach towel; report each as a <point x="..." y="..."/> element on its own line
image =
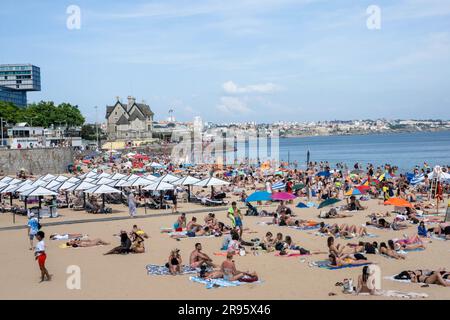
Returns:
<point x="218" y="283"/>
<point x="326" y="265"/>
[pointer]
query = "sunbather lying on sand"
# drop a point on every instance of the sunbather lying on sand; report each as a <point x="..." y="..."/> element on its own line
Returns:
<point x="66" y="236"/>
<point x="442" y="229"/>
<point x="86" y="243"/>
<point x="439" y="277"/>
<point x="346" y="260"/>
<point x="190" y="234"/>
<point x="390" y="251"/>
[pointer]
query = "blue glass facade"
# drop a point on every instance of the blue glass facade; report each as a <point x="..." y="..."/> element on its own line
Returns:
<point x="16" y="80"/>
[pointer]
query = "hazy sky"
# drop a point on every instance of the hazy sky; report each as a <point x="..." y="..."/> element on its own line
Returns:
<point x="238" y="60"/>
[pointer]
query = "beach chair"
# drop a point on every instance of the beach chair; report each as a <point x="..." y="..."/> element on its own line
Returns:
<point x="209" y="202"/>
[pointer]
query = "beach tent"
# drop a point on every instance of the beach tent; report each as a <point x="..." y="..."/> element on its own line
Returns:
<point x="283" y="196"/>
<point x="259" y="196"/>
<point x="37" y="192"/>
<point x="398" y="202"/>
<point x="328" y="202"/>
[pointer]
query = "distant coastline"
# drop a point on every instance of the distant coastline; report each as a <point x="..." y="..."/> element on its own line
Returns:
<point x="361" y="133"/>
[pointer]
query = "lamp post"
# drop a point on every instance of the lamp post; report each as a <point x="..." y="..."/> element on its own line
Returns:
<point x="96" y="125"/>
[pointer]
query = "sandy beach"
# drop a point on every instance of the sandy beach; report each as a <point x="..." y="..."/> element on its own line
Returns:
<point x="125" y="276"/>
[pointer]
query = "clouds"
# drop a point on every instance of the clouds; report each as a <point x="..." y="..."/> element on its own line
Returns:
<point x="230" y="87"/>
<point x="233" y="106"/>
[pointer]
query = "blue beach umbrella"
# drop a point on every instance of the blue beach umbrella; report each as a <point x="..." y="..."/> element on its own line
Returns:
<point x="259" y="196"/>
<point x="324" y="174"/>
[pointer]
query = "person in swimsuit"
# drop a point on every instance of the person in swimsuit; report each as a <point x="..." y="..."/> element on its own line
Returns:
<point x="440" y="277"/>
<point x="336" y="261"/>
<point x="198" y="258"/>
<point x="390" y="252"/>
<point x="229" y="272"/>
<point x="86" y="243"/>
<point x="366" y="284"/>
<point x="235" y="215"/>
<point x="125" y="245"/>
<point x="174" y="262"/>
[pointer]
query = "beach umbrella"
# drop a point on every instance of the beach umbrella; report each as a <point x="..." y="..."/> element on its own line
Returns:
<point x="280" y="185"/>
<point x="64" y="186"/>
<point x="52" y="184"/>
<point x="328" y="202"/>
<point x="325" y="174"/>
<point x="11" y="188"/>
<point x="363" y="188"/>
<point x="104" y="180"/>
<point x="118" y="176"/>
<point x="126" y="183"/>
<point x="298" y="186"/>
<point x="211" y="182"/>
<point x="102" y="189"/>
<point x="103" y="175"/>
<point x="156" y="165"/>
<point x="170" y="178"/>
<point x="84" y="186"/>
<point x="159" y="186"/>
<point x="91" y="174"/>
<point x="132" y="177"/>
<point x="6" y="179"/>
<point x="283" y="196"/>
<point x="152" y="177"/>
<point x="398" y="202"/>
<point x="186" y="181"/>
<point x="301" y="205"/>
<point x="141" y="182"/>
<point x="14" y="181"/>
<point x="61" y="178"/>
<point x="38" y="192"/>
<point x="73" y="180"/>
<point x="48" y="177"/>
<point x="2" y="184"/>
<point x="259" y="196"/>
<point x="353" y="192"/>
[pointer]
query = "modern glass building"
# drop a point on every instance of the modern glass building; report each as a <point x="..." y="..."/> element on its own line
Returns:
<point x="16" y="80"/>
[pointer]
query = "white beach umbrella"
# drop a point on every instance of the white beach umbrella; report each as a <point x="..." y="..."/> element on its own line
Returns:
<point x="64" y="186"/>
<point x="127" y="183"/>
<point x="102" y="189"/>
<point x="186" y="181"/>
<point x="2" y="184"/>
<point x="156" y="165"/>
<point x="104" y="180"/>
<point x="39" y="183"/>
<point x="170" y="178"/>
<point x="84" y="186"/>
<point x="61" y="178"/>
<point x="48" y="177"/>
<point x="159" y="186"/>
<point x="14" y="181"/>
<point x="6" y="179"/>
<point x="118" y="176"/>
<point x="211" y="182"/>
<point x="73" y="180"/>
<point x="132" y="177"/>
<point x="10" y="188"/>
<point x="152" y="177"/>
<point x="24" y="187"/>
<point x="139" y="182"/>
<point x="91" y="174"/>
<point x="103" y="175"/>
<point x="52" y="184"/>
<point x="91" y="180"/>
<point x="38" y="192"/>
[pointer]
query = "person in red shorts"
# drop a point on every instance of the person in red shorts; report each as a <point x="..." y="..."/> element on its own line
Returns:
<point x="40" y="256"/>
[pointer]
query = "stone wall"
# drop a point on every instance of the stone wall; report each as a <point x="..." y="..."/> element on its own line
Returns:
<point x="36" y="161"/>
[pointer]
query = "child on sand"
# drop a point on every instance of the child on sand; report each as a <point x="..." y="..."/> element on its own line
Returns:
<point x="41" y="256"/>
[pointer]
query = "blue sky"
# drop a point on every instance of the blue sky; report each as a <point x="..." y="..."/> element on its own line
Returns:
<point x="238" y="60"/>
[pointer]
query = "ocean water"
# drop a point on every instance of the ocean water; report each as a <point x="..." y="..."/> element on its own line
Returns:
<point x="404" y="150"/>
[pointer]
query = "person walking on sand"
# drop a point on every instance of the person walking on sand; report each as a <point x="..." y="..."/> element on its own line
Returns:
<point x="41" y="256"/>
<point x="235" y="215"/>
<point x="131" y="204"/>
<point x="33" y="228"/>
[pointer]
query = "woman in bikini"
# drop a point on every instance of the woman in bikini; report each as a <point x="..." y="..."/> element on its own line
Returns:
<point x="440" y="277"/>
<point x="230" y="272"/>
<point x="336" y="261"/>
<point x="174" y="262"/>
<point x="390" y="252"/>
<point x="75" y="243"/>
<point x="365" y="283"/>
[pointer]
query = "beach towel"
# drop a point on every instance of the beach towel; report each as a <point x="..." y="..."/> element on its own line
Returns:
<point x="183" y="233"/>
<point x="397" y="294"/>
<point x="277" y="254"/>
<point x="219" y="283"/>
<point x="436" y="237"/>
<point x="221" y="253"/>
<point x="317" y="226"/>
<point x="392" y="278"/>
<point x="325" y="264"/>
<point x="154" y="269"/>
<point x="410" y="250"/>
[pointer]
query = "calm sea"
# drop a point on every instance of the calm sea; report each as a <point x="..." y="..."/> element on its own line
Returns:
<point x="403" y="149"/>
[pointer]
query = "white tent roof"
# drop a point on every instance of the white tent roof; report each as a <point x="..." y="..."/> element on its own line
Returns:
<point x="14" y="181"/>
<point x="103" y="175"/>
<point x="211" y="181"/>
<point x="132" y="177"/>
<point x="6" y="179"/>
<point x="104" y="180"/>
<point x="151" y="177"/>
<point x="91" y="174"/>
<point x="89" y="180"/>
<point x="142" y="182"/>
<point x="169" y="178"/>
<point x="159" y="186"/>
<point x="102" y="189"/>
<point x="61" y="178"/>
<point x="39" y="183"/>
<point x="10" y="188"/>
<point x="84" y="186"/>
<point x="73" y="180"/>
<point x="52" y="184"/>
<point x="24" y="187"/>
<point x="186" y="181"/>
<point x="126" y="183"/>
<point x="64" y="186"/>
<point x="2" y="184"/>
<point x="117" y="176"/>
<point x="48" y="177"/>
<point x="38" y="191"/>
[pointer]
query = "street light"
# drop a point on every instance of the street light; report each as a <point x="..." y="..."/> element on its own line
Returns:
<point x="96" y="125"/>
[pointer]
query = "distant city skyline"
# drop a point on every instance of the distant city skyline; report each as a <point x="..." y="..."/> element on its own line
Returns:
<point x="238" y="60"/>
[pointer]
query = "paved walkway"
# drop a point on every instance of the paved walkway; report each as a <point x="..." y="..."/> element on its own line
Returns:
<point x="112" y="218"/>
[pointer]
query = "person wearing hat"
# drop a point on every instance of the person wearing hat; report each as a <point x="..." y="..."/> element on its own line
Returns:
<point x="174" y="262"/>
<point x="33" y="228"/>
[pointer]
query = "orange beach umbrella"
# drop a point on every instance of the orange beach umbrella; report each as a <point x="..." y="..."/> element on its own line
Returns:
<point x="398" y="202"/>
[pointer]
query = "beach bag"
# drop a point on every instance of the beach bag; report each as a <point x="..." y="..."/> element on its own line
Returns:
<point x="323" y="214"/>
<point x="348" y="286"/>
<point x="248" y="279"/>
<point x="242" y="252"/>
